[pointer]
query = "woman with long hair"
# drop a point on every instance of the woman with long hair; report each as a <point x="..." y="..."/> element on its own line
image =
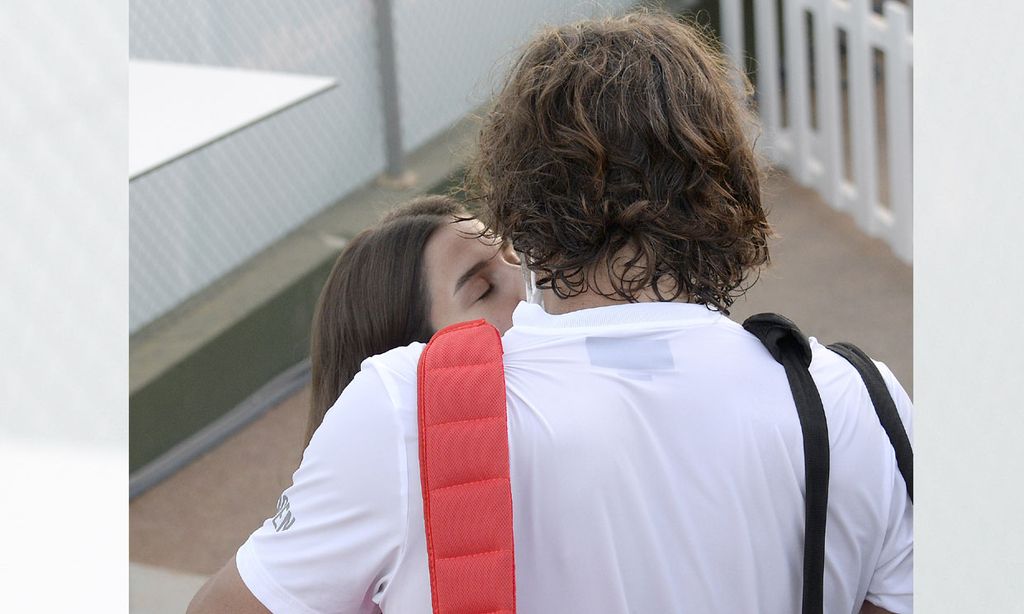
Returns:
<point x="425" y="266"/>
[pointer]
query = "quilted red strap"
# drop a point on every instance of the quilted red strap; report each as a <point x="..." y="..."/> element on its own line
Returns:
<point x="464" y="471"/>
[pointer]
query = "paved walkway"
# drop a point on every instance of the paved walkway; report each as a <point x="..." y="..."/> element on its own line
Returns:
<point x="836" y="283"/>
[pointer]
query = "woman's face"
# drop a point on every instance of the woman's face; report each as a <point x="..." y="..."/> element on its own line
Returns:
<point x="469" y="278"/>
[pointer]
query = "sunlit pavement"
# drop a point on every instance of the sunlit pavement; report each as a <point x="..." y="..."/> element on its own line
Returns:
<point x="832" y="280"/>
<point x="155" y="590"/>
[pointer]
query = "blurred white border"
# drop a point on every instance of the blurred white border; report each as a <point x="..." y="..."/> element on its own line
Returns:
<point x="969" y="216"/>
<point x="63" y="305"/>
<point x="63" y="310"/>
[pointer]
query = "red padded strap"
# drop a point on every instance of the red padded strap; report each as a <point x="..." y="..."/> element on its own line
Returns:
<point x="467" y="495"/>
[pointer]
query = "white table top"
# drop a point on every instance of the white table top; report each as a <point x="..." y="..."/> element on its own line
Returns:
<point x="175" y="109"/>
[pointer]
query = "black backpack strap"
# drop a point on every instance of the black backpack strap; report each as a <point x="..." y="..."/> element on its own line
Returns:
<point x="791" y="349"/>
<point x="885" y="407"/>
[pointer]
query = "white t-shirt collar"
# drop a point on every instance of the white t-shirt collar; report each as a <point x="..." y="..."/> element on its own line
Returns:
<point x="533" y="316"/>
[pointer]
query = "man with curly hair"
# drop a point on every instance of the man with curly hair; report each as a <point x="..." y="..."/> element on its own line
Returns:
<point x="656" y="459"/>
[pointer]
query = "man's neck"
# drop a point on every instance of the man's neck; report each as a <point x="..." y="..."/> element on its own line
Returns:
<point x="598" y="277"/>
<point x="589" y="300"/>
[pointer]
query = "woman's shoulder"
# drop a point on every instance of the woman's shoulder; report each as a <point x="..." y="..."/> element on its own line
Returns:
<point x="397" y="370"/>
<point x="399" y="359"/>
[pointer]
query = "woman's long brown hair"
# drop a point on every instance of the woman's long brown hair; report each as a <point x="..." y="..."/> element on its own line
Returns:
<point x="374" y="300"/>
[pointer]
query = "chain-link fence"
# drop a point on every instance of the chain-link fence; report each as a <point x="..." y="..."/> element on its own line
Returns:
<point x="198" y="218"/>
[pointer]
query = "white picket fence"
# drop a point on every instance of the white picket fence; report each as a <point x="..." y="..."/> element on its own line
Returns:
<point x="816" y="155"/>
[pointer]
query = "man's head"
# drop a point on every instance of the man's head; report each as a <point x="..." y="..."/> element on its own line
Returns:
<point x="616" y="159"/>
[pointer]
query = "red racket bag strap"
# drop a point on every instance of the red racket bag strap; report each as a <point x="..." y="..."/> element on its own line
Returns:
<point x="464" y="471"/>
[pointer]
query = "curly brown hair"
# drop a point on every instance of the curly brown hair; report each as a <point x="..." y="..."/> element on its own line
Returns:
<point x="620" y="144"/>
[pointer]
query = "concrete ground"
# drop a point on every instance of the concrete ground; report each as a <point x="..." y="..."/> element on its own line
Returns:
<point x="827" y="276"/>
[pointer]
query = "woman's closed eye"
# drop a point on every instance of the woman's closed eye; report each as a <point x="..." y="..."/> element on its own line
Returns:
<point x="490" y="288"/>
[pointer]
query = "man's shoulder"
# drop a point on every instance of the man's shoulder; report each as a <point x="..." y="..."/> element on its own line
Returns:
<point x="829" y="366"/>
<point x="843" y="390"/>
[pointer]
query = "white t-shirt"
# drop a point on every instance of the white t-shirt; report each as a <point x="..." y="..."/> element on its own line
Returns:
<point x="656" y="464"/>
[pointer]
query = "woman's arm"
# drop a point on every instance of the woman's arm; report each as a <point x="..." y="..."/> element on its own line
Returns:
<point x="867" y="608"/>
<point x="340" y="526"/>
<point x="225" y="592"/>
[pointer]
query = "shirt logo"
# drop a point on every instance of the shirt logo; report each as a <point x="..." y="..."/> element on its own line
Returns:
<point x="283" y="520"/>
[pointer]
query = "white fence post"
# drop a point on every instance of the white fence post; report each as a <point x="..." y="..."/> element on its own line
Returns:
<point x="796" y="90"/>
<point x="732" y="34"/>
<point x="826" y="77"/>
<point x="860" y="56"/>
<point x="765" y="41"/>
<point x="899" y="118"/>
